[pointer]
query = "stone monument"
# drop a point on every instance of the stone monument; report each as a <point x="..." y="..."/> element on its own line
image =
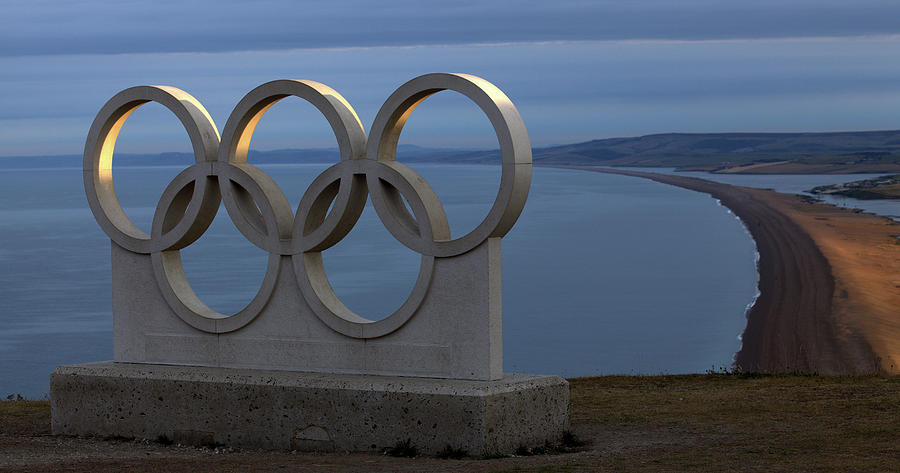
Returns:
<point x="296" y="368"/>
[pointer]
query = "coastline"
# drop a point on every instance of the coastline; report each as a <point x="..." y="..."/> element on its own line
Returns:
<point x="797" y="324"/>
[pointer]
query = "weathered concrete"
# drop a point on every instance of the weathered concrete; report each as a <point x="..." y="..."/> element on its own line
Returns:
<point x="456" y="333"/>
<point x="307" y="411"/>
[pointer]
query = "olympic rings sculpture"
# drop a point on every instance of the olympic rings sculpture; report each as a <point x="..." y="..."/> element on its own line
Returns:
<point x="260" y="210"/>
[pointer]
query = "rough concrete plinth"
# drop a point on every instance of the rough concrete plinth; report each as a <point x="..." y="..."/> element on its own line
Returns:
<point x="307" y="411"/>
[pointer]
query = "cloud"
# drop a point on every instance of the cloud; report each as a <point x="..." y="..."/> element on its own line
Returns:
<point x="50" y="27"/>
<point x="566" y="91"/>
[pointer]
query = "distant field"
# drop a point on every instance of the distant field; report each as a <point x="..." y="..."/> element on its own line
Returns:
<point x="883" y="187"/>
<point x="713" y="422"/>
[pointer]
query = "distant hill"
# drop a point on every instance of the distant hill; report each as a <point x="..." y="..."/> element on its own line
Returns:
<point x="871" y="151"/>
<point x="840" y="152"/>
<point x="279" y="156"/>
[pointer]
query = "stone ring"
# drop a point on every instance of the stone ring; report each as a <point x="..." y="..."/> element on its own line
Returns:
<point x="329" y="208"/>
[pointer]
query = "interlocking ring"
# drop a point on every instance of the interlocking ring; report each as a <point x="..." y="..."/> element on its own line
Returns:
<point x="260" y="211"/>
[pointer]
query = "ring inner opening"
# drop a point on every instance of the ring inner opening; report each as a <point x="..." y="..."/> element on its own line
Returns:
<point x="151" y="149"/>
<point x="450" y="142"/>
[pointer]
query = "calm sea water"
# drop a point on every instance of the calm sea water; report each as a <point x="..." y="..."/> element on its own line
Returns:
<point x="602" y="274"/>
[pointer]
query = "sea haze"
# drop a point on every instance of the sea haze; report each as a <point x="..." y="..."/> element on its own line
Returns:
<point x="602" y="274"/>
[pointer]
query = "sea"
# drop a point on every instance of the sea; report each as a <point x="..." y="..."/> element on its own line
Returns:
<point x="602" y="274"/>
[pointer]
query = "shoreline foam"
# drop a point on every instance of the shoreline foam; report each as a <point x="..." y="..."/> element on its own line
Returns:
<point x="753" y="300"/>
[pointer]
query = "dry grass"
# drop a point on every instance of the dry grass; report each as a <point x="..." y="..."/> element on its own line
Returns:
<point x="751" y="168"/>
<point x="718" y="422"/>
<point x="24" y="418"/>
<point x="729" y="422"/>
<point x="795" y="167"/>
<point x="892" y="191"/>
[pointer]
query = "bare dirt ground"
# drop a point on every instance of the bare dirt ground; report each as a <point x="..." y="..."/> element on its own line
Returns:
<point x="632" y="423"/>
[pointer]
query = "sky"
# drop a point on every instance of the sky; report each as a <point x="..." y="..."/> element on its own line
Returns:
<point x="576" y="70"/>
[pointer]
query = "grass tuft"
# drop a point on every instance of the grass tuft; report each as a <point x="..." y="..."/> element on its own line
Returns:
<point x="571" y="441"/>
<point x="403" y="448"/>
<point x="452" y="453"/>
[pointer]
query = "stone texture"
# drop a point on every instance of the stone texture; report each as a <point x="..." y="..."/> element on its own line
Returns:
<point x="456" y="333"/>
<point x="307" y="411"/>
<point x="450" y="326"/>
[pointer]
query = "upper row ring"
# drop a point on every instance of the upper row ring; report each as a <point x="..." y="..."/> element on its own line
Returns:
<point x="259" y="208"/>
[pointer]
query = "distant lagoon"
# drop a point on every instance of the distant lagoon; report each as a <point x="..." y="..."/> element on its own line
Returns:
<point x="799" y="184"/>
<point x="602" y="274"/>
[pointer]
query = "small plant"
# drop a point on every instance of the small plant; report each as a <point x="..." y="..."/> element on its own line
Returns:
<point x="454" y="453"/>
<point x="751" y="375"/>
<point x="568" y="443"/>
<point x="571" y="441"/>
<point x="164" y="440"/>
<point x="737" y="371"/>
<point x="493" y="455"/>
<point x="524" y="451"/>
<point x="403" y="448"/>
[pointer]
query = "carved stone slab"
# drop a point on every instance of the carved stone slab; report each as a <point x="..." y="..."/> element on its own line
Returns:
<point x="312" y="412"/>
<point x="450" y="326"/>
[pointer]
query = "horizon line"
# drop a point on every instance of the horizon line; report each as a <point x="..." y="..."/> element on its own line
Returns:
<point x="556" y="145"/>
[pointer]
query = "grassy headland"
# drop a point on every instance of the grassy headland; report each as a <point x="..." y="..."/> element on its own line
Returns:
<point x="713" y="422"/>
<point x="884" y="187"/>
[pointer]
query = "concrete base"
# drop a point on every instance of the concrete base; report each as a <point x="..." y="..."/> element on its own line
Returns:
<point x="307" y="411"/>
